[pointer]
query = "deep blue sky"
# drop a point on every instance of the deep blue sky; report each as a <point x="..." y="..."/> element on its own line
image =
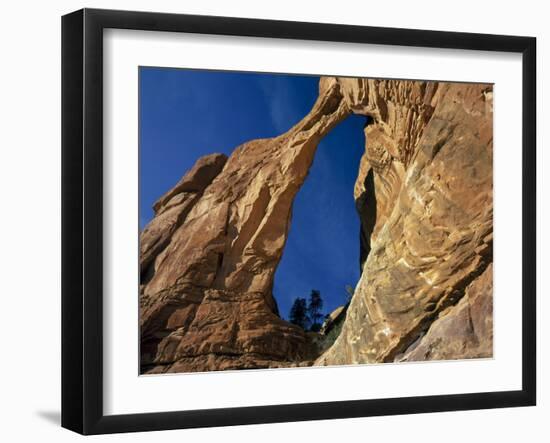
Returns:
<point x="185" y="114"/>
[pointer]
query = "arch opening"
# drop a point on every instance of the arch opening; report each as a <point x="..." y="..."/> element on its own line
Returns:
<point x="323" y="251"/>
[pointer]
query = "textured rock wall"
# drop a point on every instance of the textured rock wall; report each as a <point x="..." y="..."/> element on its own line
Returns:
<point x="424" y="197"/>
<point x="429" y="158"/>
<point x="464" y="330"/>
<point x="207" y="301"/>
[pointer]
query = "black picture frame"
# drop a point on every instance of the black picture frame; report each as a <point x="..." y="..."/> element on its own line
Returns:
<point x="82" y="218"/>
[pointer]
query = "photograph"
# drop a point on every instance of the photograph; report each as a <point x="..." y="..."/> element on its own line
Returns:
<point x="275" y="222"/>
<point x="296" y="220"/>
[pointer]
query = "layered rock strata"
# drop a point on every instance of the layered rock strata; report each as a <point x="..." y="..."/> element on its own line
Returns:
<point x="207" y="301"/>
<point x="424" y="198"/>
<point x="427" y="176"/>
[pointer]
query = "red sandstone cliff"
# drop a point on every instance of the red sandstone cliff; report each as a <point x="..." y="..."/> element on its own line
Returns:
<point x="424" y="197"/>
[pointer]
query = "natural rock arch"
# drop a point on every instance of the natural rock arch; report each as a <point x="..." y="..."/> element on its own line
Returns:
<point x="206" y="303"/>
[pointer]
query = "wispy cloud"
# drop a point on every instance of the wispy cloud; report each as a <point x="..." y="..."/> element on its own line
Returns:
<point x="285" y="108"/>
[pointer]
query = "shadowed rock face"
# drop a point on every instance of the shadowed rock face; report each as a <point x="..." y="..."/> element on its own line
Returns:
<point x="424" y="197"/>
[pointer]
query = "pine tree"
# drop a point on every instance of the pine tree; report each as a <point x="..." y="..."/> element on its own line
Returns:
<point x="298" y="313"/>
<point x="314" y="309"/>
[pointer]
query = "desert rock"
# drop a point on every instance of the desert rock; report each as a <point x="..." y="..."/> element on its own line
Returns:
<point x="427" y="175"/>
<point x="424" y="199"/>
<point x="208" y="304"/>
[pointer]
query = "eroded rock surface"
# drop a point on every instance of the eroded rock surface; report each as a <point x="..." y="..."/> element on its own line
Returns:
<point x="424" y="197"/>
<point x="207" y="301"/>
<point x="427" y="177"/>
<point x="461" y="331"/>
<point x="172" y="208"/>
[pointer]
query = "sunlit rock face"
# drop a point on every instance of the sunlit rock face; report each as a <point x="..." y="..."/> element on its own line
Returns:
<point x="207" y="303"/>
<point x="424" y="198"/>
<point x="427" y="171"/>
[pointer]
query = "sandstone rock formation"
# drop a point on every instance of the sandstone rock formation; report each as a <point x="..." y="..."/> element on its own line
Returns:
<point x="424" y="198"/>
<point x="427" y="175"/>
<point x="333" y="319"/>
<point x="462" y="331"/>
<point x="172" y="208"/>
<point x="207" y="303"/>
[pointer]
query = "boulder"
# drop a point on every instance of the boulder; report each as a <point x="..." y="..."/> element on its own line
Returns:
<point x="334" y="318"/>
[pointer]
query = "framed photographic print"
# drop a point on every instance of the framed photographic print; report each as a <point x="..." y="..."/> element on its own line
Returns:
<point x="269" y="221"/>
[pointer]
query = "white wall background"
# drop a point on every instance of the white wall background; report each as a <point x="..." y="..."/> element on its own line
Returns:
<point x="30" y="222"/>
